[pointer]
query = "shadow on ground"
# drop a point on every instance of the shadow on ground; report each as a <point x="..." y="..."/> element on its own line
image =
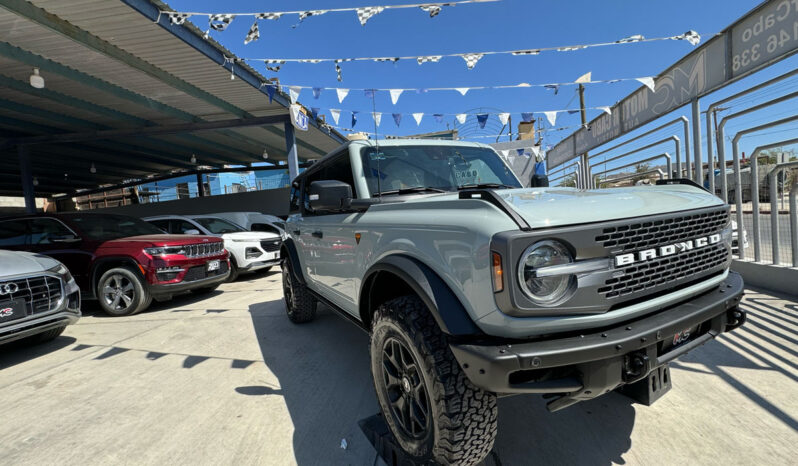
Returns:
<point x="21" y="351"/>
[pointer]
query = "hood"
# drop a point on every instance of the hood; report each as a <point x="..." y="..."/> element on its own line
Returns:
<point x="251" y="235"/>
<point x="164" y="240"/>
<point x="18" y="263"/>
<point x="548" y="207"/>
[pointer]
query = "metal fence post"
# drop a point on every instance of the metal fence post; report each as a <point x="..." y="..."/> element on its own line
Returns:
<point x="698" y="170"/>
<point x="794" y="221"/>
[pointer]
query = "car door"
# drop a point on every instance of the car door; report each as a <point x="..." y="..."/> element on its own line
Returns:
<point x="49" y="236"/>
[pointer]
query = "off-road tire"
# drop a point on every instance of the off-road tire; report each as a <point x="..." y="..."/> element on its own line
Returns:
<point x="463" y="417"/>
<point x="141" y="297"/>
<point x="300" y="306"/>
<point x="44" y="337"/>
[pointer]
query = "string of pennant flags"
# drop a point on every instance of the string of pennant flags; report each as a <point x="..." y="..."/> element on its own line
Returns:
<point x="220" y="21"/>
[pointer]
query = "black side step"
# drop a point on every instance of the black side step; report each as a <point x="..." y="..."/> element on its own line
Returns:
<point x="488" y="195"/>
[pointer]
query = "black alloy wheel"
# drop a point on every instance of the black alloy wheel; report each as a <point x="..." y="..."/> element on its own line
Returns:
<point x="405" y="389"/>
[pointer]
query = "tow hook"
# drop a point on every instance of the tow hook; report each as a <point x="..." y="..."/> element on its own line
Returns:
<point x="636" y="365"/>
<point x="734" y="318"/>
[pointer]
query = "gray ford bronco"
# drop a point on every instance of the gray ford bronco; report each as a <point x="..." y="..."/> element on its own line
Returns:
<point x="472" y="287"/>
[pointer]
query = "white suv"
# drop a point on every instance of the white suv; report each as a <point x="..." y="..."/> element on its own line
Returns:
<point x="249" y="250"/>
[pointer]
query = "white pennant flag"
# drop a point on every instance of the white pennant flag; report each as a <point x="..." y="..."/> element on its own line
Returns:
<point x="293" y="92"/>
<point x="417" y="117"/>
<point x="461" y="117"/>
<point x="335" y="114"/>
<point x="463" y="90"/>
<point x="505" y="153"/>
<point x="395" y="93"/>
<point x="606" y="110"/>
<point x="342" y="93"/>
<point x="377" y="118"/>
<point x="552" y="117"/>
<point x="504" y="118"/>
<point x="585" y="78"/>
<point x="648" y="82"/>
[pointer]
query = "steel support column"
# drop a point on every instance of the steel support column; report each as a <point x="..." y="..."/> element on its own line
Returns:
<point x="27" y="179"/>
<point x="200" y="190"/>
<point x="698" y="171"/>
<point x="290" y="151"/>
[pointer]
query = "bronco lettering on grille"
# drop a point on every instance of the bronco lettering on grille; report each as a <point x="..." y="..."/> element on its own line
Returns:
<point x="667" y="250"/>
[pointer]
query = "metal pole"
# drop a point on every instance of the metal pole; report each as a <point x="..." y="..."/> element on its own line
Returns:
<point x="738" y="195"/>
<point x="585" y="162"/>
<point x="687" y="164"/>
<point x="291" y="152"/>
<point x="200" y="191"/>
<point x="774" y="216"/>
<point x="699" y="168"/>
<point x="27" y="179"/>
<point x="794" y="221"/>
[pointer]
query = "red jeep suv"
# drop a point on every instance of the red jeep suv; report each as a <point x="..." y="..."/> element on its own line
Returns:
<point x="122" y="261"/>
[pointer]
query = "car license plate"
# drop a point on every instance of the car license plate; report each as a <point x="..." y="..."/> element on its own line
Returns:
<point x="213" y="265"/>
<point x="12" y="310"/>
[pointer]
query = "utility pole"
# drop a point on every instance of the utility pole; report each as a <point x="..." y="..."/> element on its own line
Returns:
<point x="585" y="168"/>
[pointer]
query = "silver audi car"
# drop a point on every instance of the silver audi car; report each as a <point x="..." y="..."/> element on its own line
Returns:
<point x="38" y="297"/>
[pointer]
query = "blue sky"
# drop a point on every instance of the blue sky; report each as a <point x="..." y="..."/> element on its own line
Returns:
<point x="505" y="25"/>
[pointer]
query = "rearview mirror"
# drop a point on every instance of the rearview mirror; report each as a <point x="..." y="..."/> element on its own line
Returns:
<point x="329" y="195"/>
<point x="192" y="232"/>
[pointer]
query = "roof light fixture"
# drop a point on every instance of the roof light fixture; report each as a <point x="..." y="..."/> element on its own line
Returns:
<point x="36" y="80"/>
<point x="93" y="169"/>
<point x="193" y="159"/>
<point x="35" y="181"/>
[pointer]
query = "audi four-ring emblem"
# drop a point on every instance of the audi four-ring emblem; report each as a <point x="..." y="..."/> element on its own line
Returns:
<point x="8" y="288"/>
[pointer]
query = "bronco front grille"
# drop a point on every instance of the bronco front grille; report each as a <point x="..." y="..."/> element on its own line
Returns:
<point x="647" y="275"/>
<point x="204" y="249"/>
<point x="653" y="233"/>
<point x="41" y="294"/>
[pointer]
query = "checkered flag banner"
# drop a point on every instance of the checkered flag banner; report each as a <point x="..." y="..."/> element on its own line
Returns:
<point x="178" y="18"/>
<point x="384" y="59"/>
<point x="630" y="39"/>
<point x="272" y="16"/>
<point x="220" y="22"/>
<point x="433" y="10"/>
<point x="690" y="36"/>
<point x="365" y="13"/>
<point x="429" y="59"/>
<point x="526" y="52"/>
<point x="270" y="65"/>
<point x="471" y="59"/>
<point x="338" y="71"/>
<point x="305" y="14"/>
<point x="253" y="34"/>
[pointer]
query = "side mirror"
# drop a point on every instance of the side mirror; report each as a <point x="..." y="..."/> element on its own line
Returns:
<point x="63" y="239"/>
<point x="539" y="181"/>
<point x="329" y="195"/>
<point x="192" y="232"/>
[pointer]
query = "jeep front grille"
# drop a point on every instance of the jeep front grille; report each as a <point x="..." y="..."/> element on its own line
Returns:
<point x="647" y="275"/>
<point x="204" y="249"/>
<point x="654" y="233"/>
<point x="41" y="293"/>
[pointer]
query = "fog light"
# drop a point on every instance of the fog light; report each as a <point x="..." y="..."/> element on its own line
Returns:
<point x="252" y="253"/>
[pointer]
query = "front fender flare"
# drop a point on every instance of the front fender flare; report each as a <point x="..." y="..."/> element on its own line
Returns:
<point x="289" y="253"/>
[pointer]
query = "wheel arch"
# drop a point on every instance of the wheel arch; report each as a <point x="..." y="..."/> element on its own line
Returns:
<point x="105" y="264"/>
<point x="289" y="253"/>
<point x="398" y="275"/>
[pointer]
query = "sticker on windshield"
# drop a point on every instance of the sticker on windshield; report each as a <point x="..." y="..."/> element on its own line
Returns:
<point x="467" y="177"/>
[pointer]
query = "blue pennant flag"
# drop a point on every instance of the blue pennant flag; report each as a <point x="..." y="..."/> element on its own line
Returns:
<point x="571" y="112"/>
<point x="552" y="87"/>
<point x="316" y="92"/>
<point x="527" y="117"/>
<point x="354" y="118"/>
<point x="482" y="118"/>
<point x="520" y="152"/>
<point x="438" y="117"/>
<point x="397" y="118"/>
<point x="315" y="112"/>
<point x="369" y="93"/>
<point x="270" y="89"/>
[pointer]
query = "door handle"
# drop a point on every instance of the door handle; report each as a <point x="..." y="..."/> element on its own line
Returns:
<point x="318" y="234"/>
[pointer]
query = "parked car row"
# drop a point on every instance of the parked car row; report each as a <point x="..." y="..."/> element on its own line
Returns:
<point x="49" y="261"/>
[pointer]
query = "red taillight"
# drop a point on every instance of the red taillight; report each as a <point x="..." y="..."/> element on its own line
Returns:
<point x="497" y="272"/>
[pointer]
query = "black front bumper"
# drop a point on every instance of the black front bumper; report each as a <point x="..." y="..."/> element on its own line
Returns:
<point x="166" y="291"/>
<point x="585" y="366"/>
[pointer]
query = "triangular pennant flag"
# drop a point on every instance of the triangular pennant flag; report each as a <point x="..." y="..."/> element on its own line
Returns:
<point x="293" y="93"/>
<point x="690" y="36"/>
<point x="552" y="117"/>
<point x="354" y="118"/>
<point x="418" y="117"/>
<point x="335" y="114"/>
<point x="438" y="117"/>
<point x="253" y="34"/>
<point x="220" y="22"/>
<point x="504" y="118"/>
<point x="606" y="110"/>
<point x="463" y="90"/>
<point x="395" y="93"/>
<point x="342" y="93"/>
<point x="471" y="59"/>
<point x="482" y="118"/>
<point x="315" y="112"/>
<point x="634" y="38"/>
<point x="365" y="13"/>
<point x="433" y="10"/>
<point x="573" y="112"/>
<point x="585" y="78"/>
<point x="648" y="82"/>
<point x="554" y="87"/>
<point x="338" y="72"/>
<point x="461" y="118"/>
<point x="273" y="16"/>
<point x="369" y="93"/>
<point x="178" y="18"/>
<point x="505" y="153"/>
<point x="429" y="58"/>
<point x="526" y="117"/>
<point x="520" y="152"/>
<point x="305" y="14"/>
<point x="397" y="118"/>
<point x="316" y="92"/>
<point x="377" y="118"/>
<point x="270" y="91"/>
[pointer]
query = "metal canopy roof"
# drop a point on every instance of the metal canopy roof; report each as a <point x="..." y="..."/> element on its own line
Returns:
<point x="108" y="65"/>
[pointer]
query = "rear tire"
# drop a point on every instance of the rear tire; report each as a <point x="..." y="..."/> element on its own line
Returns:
<point x="122" y="292"/>
<point x="44" y="337"/>
<point x="300" y="306"/>
<point x="433" y="410"/>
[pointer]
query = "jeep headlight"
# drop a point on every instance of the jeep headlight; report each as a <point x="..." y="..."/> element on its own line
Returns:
<point x="549" y="290"/>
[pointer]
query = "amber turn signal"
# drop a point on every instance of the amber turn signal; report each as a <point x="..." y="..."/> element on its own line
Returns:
<point x="497" y="272"/>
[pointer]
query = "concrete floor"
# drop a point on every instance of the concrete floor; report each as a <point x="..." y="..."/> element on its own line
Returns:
<point x="228" y="380"/>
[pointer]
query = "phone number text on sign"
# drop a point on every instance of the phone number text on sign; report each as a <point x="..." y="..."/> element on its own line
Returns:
<point x="768" y="35"/>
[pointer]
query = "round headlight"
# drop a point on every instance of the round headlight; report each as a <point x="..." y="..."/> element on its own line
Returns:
<point x="545" y="291"/>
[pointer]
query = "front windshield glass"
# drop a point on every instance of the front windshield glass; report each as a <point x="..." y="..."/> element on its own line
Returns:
<point x="218" y="226"/>
<point x="444" y="168"/>
<point x="105" y="227"/>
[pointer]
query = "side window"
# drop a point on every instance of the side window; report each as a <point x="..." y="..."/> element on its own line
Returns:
<point x="264" y="227"/>
<point x="293" y="206"/>
<point x="162" y="224"/>
<point x="13" y="233"/>
<point x="340" y="170"/>
<point x="180" y="227"/>
<point x="42" y="230"/>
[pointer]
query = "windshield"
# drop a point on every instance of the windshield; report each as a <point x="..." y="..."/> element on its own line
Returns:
<point x="444" y="168"/>
<point x="103" y="227"/>
<point x="218" y="226"/>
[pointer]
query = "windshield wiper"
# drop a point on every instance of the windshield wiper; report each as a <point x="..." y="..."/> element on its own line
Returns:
<point x="485" y="185"/>
<point x="417" y="189"/>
